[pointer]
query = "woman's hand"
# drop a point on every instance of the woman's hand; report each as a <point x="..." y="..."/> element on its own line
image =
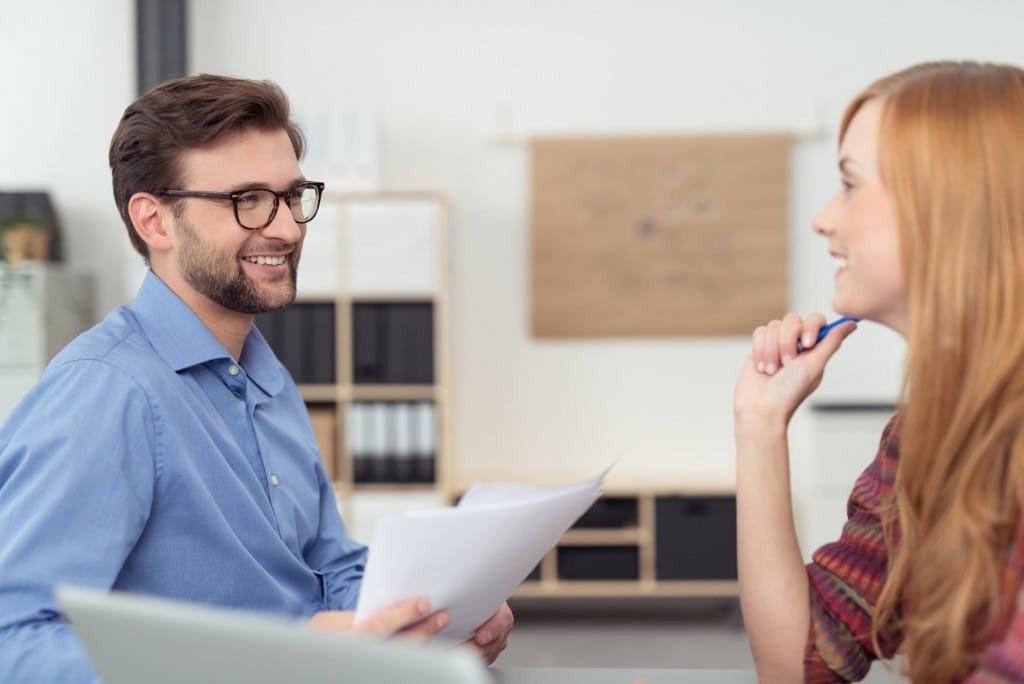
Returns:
<point x="776" y="378"/>
<point x="773" y="582"/>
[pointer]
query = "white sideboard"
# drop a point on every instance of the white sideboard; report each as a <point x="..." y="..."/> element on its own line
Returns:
<point x="43" y="306"/>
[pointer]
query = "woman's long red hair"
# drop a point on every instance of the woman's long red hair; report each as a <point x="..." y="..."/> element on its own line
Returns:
<point x="951" y="153"/>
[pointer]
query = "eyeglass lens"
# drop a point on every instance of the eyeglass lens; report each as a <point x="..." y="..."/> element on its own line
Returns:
<point x="256" y="206"/>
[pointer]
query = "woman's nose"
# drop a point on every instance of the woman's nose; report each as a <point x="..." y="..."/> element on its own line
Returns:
<point x="823" y="223"/>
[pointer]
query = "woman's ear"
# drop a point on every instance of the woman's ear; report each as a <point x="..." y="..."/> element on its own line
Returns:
<point x="150" y="218"/>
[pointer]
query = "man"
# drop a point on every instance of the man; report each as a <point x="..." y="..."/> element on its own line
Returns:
<point x="167" y="451"/>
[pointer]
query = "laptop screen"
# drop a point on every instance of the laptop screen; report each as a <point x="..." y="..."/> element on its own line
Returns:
<point x="131" y="638"/>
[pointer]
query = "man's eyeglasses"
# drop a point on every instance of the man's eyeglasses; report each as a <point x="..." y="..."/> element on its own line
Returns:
<point x="256" y="208"/>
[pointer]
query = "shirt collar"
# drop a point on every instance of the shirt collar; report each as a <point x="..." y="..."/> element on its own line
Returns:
<point x="181" y="339"/>
<point x="260" y="363"/>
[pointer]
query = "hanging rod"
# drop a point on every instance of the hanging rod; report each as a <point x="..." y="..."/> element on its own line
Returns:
<point x="816" y="134"/>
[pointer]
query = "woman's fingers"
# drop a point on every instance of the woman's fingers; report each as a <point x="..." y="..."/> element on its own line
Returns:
<point x="778" y="342"/>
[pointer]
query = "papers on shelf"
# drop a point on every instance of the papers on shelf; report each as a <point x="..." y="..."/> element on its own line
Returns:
<point x="342" y="147"/>
<point x="393" y="246"/>
<point x="469" y="558"/>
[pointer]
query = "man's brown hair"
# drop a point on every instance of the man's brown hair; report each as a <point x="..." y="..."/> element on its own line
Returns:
<point x="188" y="113"/>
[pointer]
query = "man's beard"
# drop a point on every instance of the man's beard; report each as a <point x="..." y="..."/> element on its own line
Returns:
<point x="223" y="280"/>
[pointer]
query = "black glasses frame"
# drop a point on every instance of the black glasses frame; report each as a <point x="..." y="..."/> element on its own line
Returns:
<point x="234" y="197"/>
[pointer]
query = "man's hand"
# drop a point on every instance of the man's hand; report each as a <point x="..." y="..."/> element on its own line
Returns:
<point x="411" y="617"/>
<point x="491" y="638"/>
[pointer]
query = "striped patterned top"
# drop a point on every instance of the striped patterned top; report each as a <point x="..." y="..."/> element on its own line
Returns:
<point x="846" y="579"/>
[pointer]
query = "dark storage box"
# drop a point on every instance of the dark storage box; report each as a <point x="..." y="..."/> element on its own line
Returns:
<point x="393" y="343"/>
<point x="610" y="512"/>
<point x="695" y="538"/>
<point x="598" y="563"/>
<point x="302" y="337"/>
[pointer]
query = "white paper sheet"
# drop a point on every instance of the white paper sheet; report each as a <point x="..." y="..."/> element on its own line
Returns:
<point x="468" y="559"/>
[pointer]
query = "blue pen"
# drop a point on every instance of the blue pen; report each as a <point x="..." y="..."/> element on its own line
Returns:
<point x="824" y="331"/>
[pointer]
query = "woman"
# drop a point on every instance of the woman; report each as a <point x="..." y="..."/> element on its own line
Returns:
<point x="927" y="232"/>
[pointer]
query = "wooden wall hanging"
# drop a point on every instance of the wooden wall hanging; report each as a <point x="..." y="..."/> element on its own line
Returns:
<point x="647" y="236"/>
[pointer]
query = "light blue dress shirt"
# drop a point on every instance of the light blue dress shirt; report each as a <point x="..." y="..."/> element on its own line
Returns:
<point x="148" y="460"/>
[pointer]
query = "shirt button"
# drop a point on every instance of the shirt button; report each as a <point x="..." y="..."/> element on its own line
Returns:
<point x="274" y="480"/>
<point x="233" y="370"/>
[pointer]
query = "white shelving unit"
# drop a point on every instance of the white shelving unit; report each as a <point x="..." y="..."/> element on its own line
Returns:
<point x="379" y="251"/>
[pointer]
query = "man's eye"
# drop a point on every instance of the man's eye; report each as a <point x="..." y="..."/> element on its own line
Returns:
<point x="249" y="200"/>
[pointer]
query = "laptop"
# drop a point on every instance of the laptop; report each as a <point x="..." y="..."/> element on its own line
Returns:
<point x="132" y="638"/>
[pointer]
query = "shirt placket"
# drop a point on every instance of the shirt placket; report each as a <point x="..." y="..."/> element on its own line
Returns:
<point x="237" y="382"/>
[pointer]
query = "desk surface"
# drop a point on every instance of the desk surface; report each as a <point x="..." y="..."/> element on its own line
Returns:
<point x="587" y="675"/>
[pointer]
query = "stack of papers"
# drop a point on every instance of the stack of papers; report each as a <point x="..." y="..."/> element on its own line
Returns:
<point x="469" y="558"/>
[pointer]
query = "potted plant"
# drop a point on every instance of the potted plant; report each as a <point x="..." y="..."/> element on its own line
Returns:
<point x="28" y="227"/>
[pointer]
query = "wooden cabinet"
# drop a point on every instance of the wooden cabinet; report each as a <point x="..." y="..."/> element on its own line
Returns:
<point x="645" y="541"/>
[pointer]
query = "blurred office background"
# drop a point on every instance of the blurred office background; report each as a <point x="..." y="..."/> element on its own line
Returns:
<point x="454" y="91"/>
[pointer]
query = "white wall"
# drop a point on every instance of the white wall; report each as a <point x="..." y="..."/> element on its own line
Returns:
<point x="67" y="71"/>
<point x="445" y="76"/>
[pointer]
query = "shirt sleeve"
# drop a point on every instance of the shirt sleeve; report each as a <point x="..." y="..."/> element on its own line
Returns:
<point x="846" y="578"/>
<point x="77" y="469"/>
<point x="338" y="557"/>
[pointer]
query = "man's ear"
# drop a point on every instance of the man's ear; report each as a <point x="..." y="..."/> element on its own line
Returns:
<point x="151" y="218"/>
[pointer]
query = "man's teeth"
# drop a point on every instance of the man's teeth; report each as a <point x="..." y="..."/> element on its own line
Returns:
<point x="265" y="260"/>
<point x="840" y="262"/>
